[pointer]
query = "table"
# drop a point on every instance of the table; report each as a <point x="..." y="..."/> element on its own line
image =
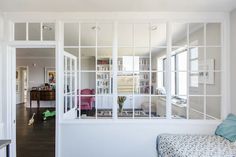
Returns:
<point x="42" y="95"/>
<point x="5" y="143"/>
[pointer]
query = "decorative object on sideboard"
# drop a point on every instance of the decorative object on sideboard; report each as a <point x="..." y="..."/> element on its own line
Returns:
<point x="121" y="101"/>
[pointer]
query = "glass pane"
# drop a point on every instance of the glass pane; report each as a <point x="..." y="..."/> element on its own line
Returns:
<point x="88" y="59"/>
<point x="71" y="34"/>
<point x="179" y="34"/>
<point x="125" y="106"/>
<point x="105" y="34"/>
<point x="196" y="34"/>
<point x="126" y="60"/>
<point x="144" y="79"/>
<point x="87" y="105"/>
<point x="179" y="59"/>
<point x="213" y="58"/>
<point x="158" y="35"/>
<point x="196" y="83"/>
<point x="75" y="52"/>
<point x="213" y="83"/>
<point x="142" y="32"/>
<point x="67" y="103"/>
<point x="88" y="80"/>
<point x="196" y="59"/>
<point x="125" y="34"/>
<point x="88" y="34"/>
<point x="49" y="31"/>
<point x="179" y="83"/>
<point x="213" y="34"/>
<point x="103" y="83"/>
<point x="68" y="64"/>
<point x="158" y="83"/>
<point x="104" y="61"/>
<point x="68" y="83"/>
<point x="179" y="107"/>
<point x="126" y="83"/>
<point x="196" y="107"/>
<point x="73" y="101"/>
<point x="158" y="106"/>
<point x="34" y="31"/>
<point x="213" y="107"/>
<point x="141" y="107"/>
<point x="20" y="31"/>
<point x="142" y="57"/>
<point x="158" y="57"/>
<point x="104" y="107"/>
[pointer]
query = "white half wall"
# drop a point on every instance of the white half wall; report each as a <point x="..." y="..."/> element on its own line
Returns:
<point x="122" y="139"/>
<point x="233" y="60"/>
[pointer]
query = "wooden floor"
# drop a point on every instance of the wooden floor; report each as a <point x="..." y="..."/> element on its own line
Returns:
<point x="37" y="140"/>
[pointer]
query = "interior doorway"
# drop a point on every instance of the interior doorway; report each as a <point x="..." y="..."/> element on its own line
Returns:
<point x="21" y="84"/>
<point x="36" y="94"/>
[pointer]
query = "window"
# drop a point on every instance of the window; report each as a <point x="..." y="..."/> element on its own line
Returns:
<point x="34" y="31"/>
<point x="134" y="79"/>
<point x="194" y="67"/>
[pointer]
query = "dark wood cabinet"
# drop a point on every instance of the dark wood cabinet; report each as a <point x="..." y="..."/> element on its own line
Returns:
<point x="42" y="95"/>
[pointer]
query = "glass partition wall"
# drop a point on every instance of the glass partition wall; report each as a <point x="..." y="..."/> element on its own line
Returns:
<point x="157" y="65"/>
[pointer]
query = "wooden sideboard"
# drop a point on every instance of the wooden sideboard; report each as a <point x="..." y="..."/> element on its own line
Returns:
<point x="42" y="95"/>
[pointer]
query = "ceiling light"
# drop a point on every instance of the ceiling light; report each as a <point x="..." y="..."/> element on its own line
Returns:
<point x="95" y="28"/>
<point x="45" y="27"/>
<point x="154" y="27"/>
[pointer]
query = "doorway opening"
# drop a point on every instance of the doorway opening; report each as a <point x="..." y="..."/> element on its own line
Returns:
<point x="35" y="102"/>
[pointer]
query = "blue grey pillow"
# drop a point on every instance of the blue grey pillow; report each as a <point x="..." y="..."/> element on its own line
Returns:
<point x="227" y="128"/>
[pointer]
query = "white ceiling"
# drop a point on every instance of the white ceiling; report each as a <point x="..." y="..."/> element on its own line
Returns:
<point x="117" y="5"/>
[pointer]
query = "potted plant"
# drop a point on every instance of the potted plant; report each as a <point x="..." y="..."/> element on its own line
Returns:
<point x="120" y="101"/>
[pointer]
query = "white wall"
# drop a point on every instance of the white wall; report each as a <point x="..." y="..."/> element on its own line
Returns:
<point x="137" y="139"/>
<point x="36" y="75"/>
<point x="233" y="60"/>
<point x="1" y="38"/>
<point x="1" y="101"/>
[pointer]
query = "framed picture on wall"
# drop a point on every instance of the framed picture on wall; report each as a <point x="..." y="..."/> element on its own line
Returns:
<point x="50" y="75"/>
<point x="208" y="76"/>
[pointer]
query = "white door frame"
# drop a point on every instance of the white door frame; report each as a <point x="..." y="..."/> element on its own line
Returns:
<point x="27" y="71"/>
<point x="10" y="85"/>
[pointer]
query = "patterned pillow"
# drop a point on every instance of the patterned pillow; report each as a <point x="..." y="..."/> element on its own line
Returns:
<point x="227" y="128"/>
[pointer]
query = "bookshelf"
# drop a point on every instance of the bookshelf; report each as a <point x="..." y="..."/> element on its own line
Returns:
<point x="104" y="66"/>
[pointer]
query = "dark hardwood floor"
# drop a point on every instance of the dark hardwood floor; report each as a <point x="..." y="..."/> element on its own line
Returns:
<point x="37" y="140"/>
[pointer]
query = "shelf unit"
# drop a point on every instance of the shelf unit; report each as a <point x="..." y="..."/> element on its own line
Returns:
<point x="104" y="85"/>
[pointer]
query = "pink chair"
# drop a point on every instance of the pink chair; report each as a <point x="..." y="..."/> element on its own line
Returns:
<point x="87" y="101"/>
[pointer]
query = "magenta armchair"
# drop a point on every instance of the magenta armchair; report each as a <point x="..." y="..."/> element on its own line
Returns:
<point x="87" y="101"/>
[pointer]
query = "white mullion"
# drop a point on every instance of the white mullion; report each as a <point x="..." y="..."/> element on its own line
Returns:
<point x="188" y="69"/>
<point x="71" y="92"/>
<point x="150" y="72"/>
<point x="79" y="71"/>
<point x="65" y="81"/>
<point x="168" y="72"/>
<point x="133" y="49"/>
<point x="115" y="69"/>
<point x="204" y="69"/>
<point x="75" y="83"/>
<point x="41" y="31"/>
<point x="96" y="68"/>
<point x="27" y="31"/>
